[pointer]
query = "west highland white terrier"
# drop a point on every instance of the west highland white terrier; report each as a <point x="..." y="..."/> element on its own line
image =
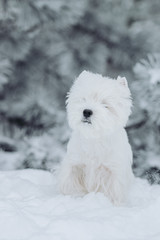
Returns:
<point x="99" y="156"/>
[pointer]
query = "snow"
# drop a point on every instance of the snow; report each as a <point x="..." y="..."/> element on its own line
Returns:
<point x="31" y="208"/>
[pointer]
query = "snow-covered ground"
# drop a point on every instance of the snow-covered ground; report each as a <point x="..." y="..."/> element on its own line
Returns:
<point x="32" y="209"/>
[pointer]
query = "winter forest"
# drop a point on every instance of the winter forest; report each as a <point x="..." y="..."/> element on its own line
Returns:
<point x="44" y="46"/>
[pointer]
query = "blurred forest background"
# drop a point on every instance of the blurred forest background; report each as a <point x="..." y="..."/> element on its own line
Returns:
<point x="45" y="44"/>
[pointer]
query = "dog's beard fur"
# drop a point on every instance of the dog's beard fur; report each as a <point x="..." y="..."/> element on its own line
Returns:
<point x="110" y="103"/>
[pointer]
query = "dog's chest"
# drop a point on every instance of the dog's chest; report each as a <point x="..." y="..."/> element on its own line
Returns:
<point x="95" y="152"/>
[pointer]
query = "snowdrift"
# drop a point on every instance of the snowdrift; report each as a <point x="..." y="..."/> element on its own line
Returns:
<point x="32" y="209"/>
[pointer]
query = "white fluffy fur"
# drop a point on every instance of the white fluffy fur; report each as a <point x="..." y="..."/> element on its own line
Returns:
<point x="99" y="157"/>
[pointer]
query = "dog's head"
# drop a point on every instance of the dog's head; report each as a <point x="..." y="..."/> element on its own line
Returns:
<point x="98" y="105"/>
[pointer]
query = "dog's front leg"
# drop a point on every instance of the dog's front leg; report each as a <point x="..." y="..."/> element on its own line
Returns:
<point x="116" y="190"/>
<point x="111" y="185"/>
<point x="72" y="179"/>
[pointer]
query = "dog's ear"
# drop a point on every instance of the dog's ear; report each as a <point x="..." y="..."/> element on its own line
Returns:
<point x="84" y="74"/>
<point x="122" y="81"/>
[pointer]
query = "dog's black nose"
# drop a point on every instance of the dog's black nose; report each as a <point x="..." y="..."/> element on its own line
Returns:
<point x="87" y="113"/>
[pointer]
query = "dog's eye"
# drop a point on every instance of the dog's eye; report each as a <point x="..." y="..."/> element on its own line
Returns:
<point x="105" y="104"/>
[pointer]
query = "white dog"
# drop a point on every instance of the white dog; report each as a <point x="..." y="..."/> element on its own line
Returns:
<point x="99" y="157"/>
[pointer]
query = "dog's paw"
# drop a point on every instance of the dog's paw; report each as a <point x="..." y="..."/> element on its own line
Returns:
<point x="72" y="180"/>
